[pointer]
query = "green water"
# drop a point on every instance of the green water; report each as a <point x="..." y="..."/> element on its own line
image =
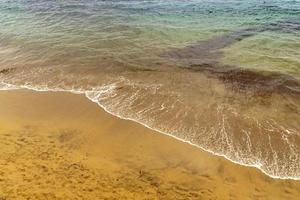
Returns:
<point x="267" y="51"/>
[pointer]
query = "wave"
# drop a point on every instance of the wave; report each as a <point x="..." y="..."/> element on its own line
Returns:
<point x="105" y="91"/>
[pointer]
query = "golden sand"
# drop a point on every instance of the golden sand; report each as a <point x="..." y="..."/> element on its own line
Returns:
<point x="56" y="145"/>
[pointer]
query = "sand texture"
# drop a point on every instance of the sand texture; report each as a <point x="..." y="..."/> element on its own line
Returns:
<point x="62" y="146"/>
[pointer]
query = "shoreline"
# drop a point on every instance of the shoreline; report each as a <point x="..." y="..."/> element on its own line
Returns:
<point x="60" y="145"/>
<point x="85" y="93"/>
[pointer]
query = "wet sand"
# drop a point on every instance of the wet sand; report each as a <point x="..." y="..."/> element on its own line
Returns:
<point x="56" y="145"/>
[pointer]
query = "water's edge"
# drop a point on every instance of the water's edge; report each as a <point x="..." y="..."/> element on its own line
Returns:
<point x="5" y="87"/>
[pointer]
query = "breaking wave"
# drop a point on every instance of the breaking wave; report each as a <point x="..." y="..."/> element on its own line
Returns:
<point x="220" y="130"/>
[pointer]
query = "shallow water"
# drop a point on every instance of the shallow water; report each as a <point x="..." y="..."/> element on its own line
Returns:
<point x="223" y="75"/>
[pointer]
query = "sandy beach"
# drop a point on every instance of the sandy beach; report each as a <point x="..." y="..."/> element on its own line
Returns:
<point x="57" y="145"/>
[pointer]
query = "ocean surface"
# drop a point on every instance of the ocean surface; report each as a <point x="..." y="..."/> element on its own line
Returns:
<point x="223" y="75"/>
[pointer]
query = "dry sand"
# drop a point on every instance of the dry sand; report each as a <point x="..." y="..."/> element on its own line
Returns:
<point x="62" y="146"/>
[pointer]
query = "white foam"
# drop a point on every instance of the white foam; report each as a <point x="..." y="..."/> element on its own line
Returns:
<point x="6" y="86"/>
<point x="95" y="93"/>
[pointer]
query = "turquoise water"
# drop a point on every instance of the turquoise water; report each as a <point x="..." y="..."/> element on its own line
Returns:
<point x="222" y="75"/>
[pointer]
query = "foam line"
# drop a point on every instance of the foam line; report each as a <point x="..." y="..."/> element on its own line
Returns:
<point x="5" y="86"/>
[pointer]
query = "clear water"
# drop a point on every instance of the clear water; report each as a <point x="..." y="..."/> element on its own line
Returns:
<point x="222" y="75"/>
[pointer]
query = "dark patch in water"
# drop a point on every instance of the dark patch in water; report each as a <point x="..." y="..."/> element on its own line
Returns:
<point x="209" y="51"/>
<point x="205" y="55"/>
<point x="241" y="80"/>
<point x="6" y="70"/>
